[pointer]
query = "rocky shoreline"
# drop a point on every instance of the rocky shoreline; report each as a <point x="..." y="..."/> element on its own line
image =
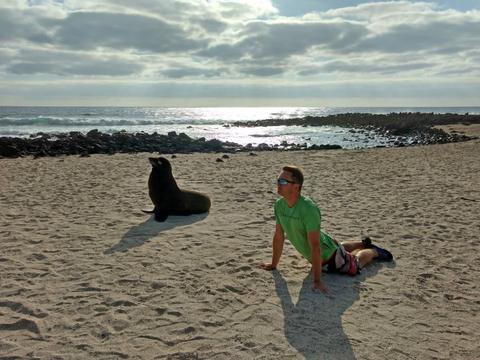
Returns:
<point x="395" y="123"/>
<point x="403" y="129"/>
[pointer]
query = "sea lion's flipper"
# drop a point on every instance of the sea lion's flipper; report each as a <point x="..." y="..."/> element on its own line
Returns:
<point x="160" y="216"/>
<point x="148" y="211"/>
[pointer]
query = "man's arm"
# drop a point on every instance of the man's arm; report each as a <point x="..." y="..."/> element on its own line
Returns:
<point x="277" y="248"/>
<point x="314" y="241"/>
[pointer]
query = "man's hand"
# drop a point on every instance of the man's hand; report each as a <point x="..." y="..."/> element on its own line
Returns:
<point x="267" y="266"/>
<point x="319" y="286"/>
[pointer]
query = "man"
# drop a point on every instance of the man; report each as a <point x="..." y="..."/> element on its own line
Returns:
<point x="299" y="217"/>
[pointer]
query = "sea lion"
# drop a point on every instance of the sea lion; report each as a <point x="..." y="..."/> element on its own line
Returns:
<point x="167" y="197"/>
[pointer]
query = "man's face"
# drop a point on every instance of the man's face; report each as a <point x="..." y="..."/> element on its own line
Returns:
<point x="288" y="188"/>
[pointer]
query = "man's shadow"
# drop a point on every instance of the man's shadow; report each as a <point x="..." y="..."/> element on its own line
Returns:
<point x="313" y="325"/>
<point x="140" y="234"/>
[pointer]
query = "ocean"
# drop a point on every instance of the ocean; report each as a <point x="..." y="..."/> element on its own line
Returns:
<point x="210" y="123"/>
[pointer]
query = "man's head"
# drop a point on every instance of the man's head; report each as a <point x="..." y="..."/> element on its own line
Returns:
<point x="290" y="181"/>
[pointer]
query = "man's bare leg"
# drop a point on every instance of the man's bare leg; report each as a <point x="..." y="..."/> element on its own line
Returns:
<point x="365" y="256"/>
<point x="365" y="251"/>
<point x="353" y="245"/>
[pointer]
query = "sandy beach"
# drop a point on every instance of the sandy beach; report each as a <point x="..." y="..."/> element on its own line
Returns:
<point x="86" y="275"/>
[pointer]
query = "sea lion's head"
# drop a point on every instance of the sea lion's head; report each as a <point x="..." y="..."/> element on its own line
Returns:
<point x="161" y="175"/>
<point x="161" y="164"/>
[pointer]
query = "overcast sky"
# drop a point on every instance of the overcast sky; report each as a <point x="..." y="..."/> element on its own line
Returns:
<point x="247" y="53"/>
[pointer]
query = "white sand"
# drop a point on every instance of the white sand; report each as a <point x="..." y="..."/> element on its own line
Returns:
<point x="472" y="130"/>
<point x="86" y="275"/>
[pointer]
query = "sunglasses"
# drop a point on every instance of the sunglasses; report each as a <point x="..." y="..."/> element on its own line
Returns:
<point x="283" y="181"/>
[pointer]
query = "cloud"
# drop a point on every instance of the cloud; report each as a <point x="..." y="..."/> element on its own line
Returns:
<point x="209" y="15"/>
<point x="29" y="62"/>
<point x="8" y="30"/>
<point x="262" y="70"/>
<point x="245" y="9"/>
<point x="182" y="72"/>
<point x="123" y="31"/>
<point x="212" y="25"/>
<point x="93" y="68"/>
<point x="279" y="40"/>
<point x="381" y="10"/>
<point x="362" y="66"/>
<point x="423" y="37"/>
<point x="235" y="41"/>
<point x="94" y="29"/>
<point x="6" y="55"/>
<point x="21" y="25"/>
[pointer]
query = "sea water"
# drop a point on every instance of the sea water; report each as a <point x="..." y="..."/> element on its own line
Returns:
<point x="210" y="123"/>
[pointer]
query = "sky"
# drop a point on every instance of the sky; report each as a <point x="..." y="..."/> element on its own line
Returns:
<point x="239" y="53"/>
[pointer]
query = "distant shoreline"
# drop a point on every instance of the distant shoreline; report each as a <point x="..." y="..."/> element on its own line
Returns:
<point x="393" y="121"/>
<point x="404" y="129"/>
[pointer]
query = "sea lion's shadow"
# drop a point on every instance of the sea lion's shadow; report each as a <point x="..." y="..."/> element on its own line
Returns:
<point x="313" y="325"/>
<point x="141" y="233"/>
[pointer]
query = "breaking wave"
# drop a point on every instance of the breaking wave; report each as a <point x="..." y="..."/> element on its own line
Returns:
<point x="69" y="122"/>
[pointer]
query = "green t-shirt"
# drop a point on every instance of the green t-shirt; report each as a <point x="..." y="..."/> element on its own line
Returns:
<point x="298" y="221"/>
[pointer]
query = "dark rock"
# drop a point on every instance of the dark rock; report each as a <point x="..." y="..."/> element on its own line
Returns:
<point x="9" y="151"/>
<point x="41" y="135"/>
<point x="94" y="133"/>
<point x="219" y="160"/>
<point x="324" y="147"/>
<point x="40" y="153"/>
